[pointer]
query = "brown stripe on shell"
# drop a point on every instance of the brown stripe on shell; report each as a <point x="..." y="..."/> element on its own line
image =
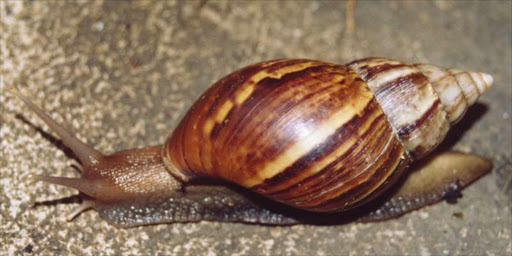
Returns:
<point x="373" y="72"/>
<point x="402" y="83"/>
<point x="188" y="130"/>
<point x="265" y="91"/>
<point x="407" y="131"/>
<point x="238" y="81"/>
<point x="411" y="131"/>
<point x="408" y="86"/>
<point x="282" y="101"/>
<point x="275" y="90"/>
<point x="173" y="156"/>
<point x="318" y="110"/>
<point x="300" y="169"/>
<point x="367" y="160"/>
<point x="209" y="105"/>
<point x="355" y="159"/>
<point x="365" y="188"/>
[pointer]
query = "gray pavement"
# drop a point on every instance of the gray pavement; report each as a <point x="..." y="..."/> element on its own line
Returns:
<point x="121" y="74"/>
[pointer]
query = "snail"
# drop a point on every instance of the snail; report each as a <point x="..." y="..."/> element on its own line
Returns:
<point x="285" y="140"/>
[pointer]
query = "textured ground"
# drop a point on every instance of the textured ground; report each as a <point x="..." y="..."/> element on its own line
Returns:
<point x="121" y="74"/>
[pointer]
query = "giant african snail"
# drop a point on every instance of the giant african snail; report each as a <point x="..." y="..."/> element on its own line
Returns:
<point x="316" y="136"/>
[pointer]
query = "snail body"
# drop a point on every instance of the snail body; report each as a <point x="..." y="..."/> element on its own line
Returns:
<point x="315" y="136"/>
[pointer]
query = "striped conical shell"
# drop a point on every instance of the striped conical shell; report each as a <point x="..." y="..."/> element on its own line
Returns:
<point x="421" y="101"/>
<point x="315" y="135"/>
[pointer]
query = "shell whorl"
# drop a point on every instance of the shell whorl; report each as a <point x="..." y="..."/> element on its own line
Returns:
<point x="313" y="135"/>
<point x="421" y="101"/>
<point x="457" y="90"/>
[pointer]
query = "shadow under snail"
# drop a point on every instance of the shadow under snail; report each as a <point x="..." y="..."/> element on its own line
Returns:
<point x="310" y="141"/>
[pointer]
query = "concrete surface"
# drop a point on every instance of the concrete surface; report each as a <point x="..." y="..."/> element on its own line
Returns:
<point x="120" y="74"/>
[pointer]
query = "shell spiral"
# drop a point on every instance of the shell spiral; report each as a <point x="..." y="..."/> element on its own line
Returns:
<point x="320" y="136"/>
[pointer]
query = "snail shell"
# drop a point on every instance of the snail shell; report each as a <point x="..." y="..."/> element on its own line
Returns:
<point x="320" y="136"/>
<point x="317" y="136"/>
